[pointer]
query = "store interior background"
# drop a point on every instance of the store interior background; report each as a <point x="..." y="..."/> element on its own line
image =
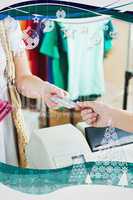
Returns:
<point x="114" y="68"/>
<point x="115" y="65"/>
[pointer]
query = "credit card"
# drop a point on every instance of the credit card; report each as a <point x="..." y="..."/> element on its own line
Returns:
<point x="63" y="102"/>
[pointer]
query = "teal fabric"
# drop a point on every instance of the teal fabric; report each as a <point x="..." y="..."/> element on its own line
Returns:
<point x="85" y="56"/>
<point x="108" y="39"/>
<point x="44" y="181"/>
<point x="54" y="46"/>
<point x="107" y="46"/>
<point x="49" y="47"/>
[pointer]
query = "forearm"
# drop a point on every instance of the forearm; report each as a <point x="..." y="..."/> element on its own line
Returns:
<point x="22" y="67"/>
<point x="27" y="84"/>
<point x="122" y="119"/>
<point x="31" y="86"/>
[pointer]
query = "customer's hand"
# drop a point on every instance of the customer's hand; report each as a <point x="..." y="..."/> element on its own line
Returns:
<point x="95" y="113"/>
<point x="33" y="87"/>
<point x="51" y="90"/>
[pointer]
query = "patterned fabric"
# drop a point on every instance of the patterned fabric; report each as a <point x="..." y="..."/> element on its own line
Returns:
<point x="38" y="63"/>
<point x="45" y="181"/>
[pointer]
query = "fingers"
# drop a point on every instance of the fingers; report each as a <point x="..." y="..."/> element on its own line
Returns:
<point x="86" y="104"/>
<point x="52" y="90"/>
<point x="89" y="116"/>
<point x="87" y="112"/>
<point x="91" y="121"/>
<point x="49" y="102"/>
<point x="59" y="92"/>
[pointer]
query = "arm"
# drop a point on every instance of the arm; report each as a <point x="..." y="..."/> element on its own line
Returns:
<point x="99" y="114"/>
<point x="25" y="78"/>
<point x="122" y="119"/>
<point x="31" y="86"/>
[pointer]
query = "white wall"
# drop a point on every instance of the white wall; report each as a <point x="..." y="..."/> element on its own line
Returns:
<point x="115" y="65"/>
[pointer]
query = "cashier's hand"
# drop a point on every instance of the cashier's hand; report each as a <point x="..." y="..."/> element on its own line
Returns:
<point x="95" y="114"/>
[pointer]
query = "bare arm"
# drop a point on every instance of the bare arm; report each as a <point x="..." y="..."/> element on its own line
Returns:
<point x="27" y="83"/>
<point x="122" y="119"/>
<point x="99" y="114"/>
<point x="31" y="86"/>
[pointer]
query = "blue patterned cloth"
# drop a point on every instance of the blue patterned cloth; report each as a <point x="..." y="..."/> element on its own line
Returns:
<point x="45" y="181"/>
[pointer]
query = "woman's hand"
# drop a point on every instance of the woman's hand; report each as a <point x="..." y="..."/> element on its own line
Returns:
<point x="51" y="90"/>
<point x="33" y="87"/>
<point x="95" y="113"/>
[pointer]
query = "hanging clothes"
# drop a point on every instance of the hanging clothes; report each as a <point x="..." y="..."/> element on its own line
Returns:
<point x="85" y="54"/>
<point x="109" y="33"/>
<point x="50" y="70"/>
<point x="74" y="48"/>
<point x="54" y="46"/>
<point x="38" y="62"/>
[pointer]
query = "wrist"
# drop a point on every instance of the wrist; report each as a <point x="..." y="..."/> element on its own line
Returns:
<point x="113" y="117"/>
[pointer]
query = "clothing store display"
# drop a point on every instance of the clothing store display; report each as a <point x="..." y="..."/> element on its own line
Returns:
<point x="38" y="63"/>
<point x="70" y="57"/>
<point x="109" y="31"/>
<point x="54" y="47"/>
<point x="86" y="76"/>
<point x="66" y="38"/>
<point x="81" y="73"/>
<point x="11" y="42"/>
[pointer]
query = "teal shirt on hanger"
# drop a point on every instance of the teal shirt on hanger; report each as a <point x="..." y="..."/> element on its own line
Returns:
<point x="78" y="56"/>
<point x="85" y="55"/>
